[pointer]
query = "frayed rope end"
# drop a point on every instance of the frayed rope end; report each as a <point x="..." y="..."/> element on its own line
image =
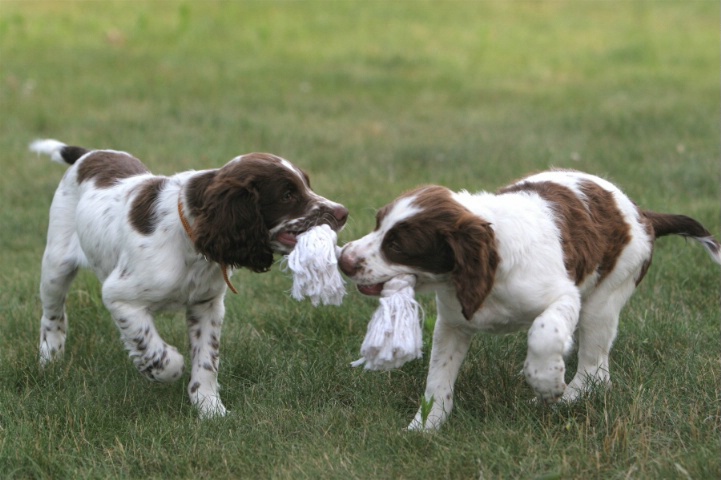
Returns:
<point x="314" y="264"/>
<point x="394" y="334"/>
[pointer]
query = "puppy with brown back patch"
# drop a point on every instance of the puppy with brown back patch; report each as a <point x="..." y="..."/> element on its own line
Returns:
<point x="160" y="243"/>
<point x="558" y="253"/>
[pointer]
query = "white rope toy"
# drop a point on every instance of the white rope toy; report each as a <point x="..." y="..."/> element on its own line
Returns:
<point x="394" y="334"/>
<point x="314" y="263"/>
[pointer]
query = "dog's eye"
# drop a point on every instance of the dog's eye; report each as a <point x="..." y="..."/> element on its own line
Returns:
<point x="394" y="246"/>
<point x="288" y="196"/>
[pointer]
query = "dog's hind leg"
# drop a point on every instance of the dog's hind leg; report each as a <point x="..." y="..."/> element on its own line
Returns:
<point x="58" y="273"/>
<point x="596" y="332"/>
<point x="61" y="261"/>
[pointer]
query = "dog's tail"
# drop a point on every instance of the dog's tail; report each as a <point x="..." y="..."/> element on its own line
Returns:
<point x="58" y="151"/>
<point x="669" y="224"/>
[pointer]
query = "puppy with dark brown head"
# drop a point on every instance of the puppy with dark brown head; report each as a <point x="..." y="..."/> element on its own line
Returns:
<point x="160" y="242"/>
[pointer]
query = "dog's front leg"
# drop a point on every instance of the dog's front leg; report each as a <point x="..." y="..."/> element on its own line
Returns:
<point x="204" y="323"/>
<point x="549" y="338"/>
<point x="154" y="358"/>
<point x="450" y="346"/>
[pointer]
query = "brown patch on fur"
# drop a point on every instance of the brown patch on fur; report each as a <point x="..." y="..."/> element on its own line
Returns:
<point x="106" y="168"/>
<point x="420" y="241"/>
<point x="143" y="212"/>
<point x="609" y="220"/>
<point x="234" y="208"/>
<point x="446" y="238"/>
<point x="381" y="214"/>
<point x="593" y="231"/>
<point x="649" y="231"/>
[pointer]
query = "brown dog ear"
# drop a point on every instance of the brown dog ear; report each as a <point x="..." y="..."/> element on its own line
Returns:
<point x="476" y="259"/>
<point x="228" y="227"/>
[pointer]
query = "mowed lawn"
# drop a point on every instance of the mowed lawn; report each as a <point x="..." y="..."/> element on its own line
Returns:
<point x="371" y="98"/>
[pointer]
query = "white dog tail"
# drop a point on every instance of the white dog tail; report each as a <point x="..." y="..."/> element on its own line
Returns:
<point x="58" y="151"/>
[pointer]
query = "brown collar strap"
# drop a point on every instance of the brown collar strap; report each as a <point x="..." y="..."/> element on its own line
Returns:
<point x="189" y="232"/>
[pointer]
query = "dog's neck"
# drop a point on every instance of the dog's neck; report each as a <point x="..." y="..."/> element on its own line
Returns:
<point x="191" y="235"/>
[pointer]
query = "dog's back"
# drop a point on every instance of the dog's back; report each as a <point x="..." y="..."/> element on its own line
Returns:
<point x="605" y="236"/>
<point x="90" y="199"/>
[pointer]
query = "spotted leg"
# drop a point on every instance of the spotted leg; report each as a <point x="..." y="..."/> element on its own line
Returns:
<point x="58" y="271"/>
<point x="153" y="358"/>
<point x="204" y="324"/>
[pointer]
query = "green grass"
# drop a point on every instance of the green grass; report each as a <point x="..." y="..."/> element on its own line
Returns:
<point x="371" y="98"/>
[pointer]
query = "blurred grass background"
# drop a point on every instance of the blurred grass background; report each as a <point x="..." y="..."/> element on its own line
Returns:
<point x="371" y="98"/>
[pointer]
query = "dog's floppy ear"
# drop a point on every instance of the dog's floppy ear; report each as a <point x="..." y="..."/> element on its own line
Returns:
<point x="474" y="249"/>
<point x="228" y="227"/>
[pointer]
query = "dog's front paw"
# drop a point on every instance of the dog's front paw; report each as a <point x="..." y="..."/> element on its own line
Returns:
<point x="585" y="382"/>
<point x="418" y="426"/>
<point x="430" y="416"/>
<point x="49" y="353"/>
<point x="52" y="338"/>
<point x="210" y="406"/>
<point x="165" y="365"/>
<point x="546" y="377"/>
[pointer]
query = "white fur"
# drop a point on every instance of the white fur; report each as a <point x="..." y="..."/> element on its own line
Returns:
<point x="531" y="290"/>
<point x="49" y="147"/>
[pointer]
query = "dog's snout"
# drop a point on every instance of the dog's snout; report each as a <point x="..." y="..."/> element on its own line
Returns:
<point x="348" y="264"/>
<point x="341" y="214"/>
